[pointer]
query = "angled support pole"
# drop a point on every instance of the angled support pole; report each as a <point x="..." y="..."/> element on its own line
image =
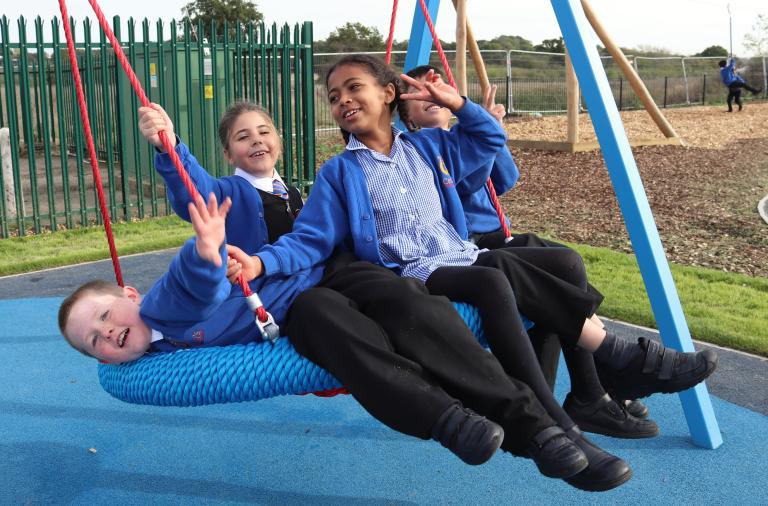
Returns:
<point x="420" y="43"/>
<point x="633" y="202"/>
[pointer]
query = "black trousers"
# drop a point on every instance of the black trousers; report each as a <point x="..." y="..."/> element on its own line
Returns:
<point x="734" y="95"/>
<point x="567" y="265"/>
<point x="485" y="286"/>
<point x="405" y="355"/>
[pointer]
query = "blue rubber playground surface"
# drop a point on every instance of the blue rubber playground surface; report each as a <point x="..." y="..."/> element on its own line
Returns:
<point x="63" y="440"/>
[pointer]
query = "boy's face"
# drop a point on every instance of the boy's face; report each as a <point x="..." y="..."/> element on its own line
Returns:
<point x="109" y="327"/>
<point x="253" y="144"/>
<point x="427" y="114"/>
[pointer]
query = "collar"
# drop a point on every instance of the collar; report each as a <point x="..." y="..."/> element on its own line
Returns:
<point x="355" y="144"/>
<point x="261" y="183"/>
<point x="156" y="336"/>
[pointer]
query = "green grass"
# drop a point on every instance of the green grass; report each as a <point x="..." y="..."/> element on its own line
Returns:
<point x="35" y="252"/>
<point x="721" y="308"/>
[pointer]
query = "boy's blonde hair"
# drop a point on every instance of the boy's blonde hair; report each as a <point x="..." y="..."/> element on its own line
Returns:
<point x="96" y="287"/>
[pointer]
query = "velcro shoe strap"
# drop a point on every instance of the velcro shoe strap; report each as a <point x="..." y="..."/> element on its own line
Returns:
<point x="667" y="363"/>
<point x="542" y="437"/>
<point x="651" y="357"/>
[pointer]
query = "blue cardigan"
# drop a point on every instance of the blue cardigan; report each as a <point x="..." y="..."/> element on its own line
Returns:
<point x="478" y="207"/>
<point x="193" y="304"/>
<point x="245" y="226"/>
<point x="728" y="73"/>
<point x="339" y="209"/>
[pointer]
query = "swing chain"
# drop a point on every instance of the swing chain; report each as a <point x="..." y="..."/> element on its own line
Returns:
<point x="269" y="330"/>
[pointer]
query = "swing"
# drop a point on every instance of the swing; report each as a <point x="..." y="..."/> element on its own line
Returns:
<point x="200" y="376"/>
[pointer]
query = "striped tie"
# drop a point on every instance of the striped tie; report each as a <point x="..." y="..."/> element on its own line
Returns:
<point x="279" y="189"/>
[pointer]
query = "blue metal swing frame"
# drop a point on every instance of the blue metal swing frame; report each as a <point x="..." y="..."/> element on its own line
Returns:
<point x="630" y="193"/>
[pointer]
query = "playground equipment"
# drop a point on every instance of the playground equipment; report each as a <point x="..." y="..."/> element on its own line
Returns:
<point x="572" y="143"/>
<point x="191" y="365"/>
<point x="572" y="16"/>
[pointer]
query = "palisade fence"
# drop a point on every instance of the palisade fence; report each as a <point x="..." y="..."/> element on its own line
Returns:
<point x="534" y="82"/>
<point x="48" y="183"/>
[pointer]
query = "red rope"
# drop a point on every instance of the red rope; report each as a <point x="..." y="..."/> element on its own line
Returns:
<point x="89" y="140"/>
<point x="438" y="46"/>
<point x="391" y="38"/>
<point x="120" y="55"/>
<point x="449" y="75"/>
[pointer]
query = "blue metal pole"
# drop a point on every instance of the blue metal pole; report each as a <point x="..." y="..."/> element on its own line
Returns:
<point x="420" y="43"/>
<point x="633" y="202"/>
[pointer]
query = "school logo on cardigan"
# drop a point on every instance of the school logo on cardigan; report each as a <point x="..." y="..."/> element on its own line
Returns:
<point x="447" y="179"/>
<point x="198" y="336"/>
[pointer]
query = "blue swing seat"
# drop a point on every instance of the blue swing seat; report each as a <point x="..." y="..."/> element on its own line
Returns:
<point x="237" y="373"/>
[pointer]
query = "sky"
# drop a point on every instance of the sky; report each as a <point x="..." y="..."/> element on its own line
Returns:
<point x="680" y="26"/>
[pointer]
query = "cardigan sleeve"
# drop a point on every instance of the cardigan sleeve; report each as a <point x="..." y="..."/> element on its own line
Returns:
<point x="472" y="144"/>
<point x="178" y="195"/>
<point x="191" y="290"/>
<point x="321" y="225"/>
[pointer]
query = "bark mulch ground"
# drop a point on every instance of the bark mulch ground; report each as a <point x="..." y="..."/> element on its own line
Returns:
<point x="703" y="195"/>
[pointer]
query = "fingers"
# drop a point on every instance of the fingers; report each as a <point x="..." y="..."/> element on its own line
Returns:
<point x="412" y="82"/>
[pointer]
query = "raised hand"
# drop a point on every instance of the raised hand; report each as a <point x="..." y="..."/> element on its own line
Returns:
<point x="489" y="103"/>
<point x="152" y="120"/>
<point x="208" y="223"/>
<point x="433" y="89"/>
<point x="240" y="262"/>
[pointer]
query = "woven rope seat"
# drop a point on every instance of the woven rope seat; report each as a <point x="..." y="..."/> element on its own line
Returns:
<point x="236" y="373"/>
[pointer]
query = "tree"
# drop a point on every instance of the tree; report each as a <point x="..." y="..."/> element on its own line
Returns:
<point x="231" y="11"/>
<point x="506" y="43"/>
<point x="352" y="37"/>
<point x="713" y="51"/>
<point x="551" y="45"/>
<point x="757" y="40"/>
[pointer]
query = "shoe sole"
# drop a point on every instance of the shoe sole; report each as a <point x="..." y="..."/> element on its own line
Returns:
<point x="604" y="486"/>
<point x="596" y="429"/>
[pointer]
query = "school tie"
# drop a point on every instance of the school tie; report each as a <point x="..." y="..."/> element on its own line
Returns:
<point x="279" y="189"/>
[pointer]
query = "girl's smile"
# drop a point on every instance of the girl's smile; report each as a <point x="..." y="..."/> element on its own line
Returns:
<point x="359" y="104"/>
<point x="253" y="145"/>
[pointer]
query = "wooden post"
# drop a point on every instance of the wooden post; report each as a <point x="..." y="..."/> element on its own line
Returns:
<point x="7" y="172"/>
<point x="477" y="58"/>
<point x="461" y="45"/>
<point x="572" y="94"/>
<point x="634" y="80"/>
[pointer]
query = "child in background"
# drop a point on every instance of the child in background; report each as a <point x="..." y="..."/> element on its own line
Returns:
<point x="734" y="82"/>
<point x="363" y="321"/>
<point x="588" y="403"/>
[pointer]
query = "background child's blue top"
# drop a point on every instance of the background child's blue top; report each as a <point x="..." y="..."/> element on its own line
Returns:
<point x="193" y="304"/>
<point x="478" y="207"/>
<point x="339" y="209"/>
<point x="728" y="73"/>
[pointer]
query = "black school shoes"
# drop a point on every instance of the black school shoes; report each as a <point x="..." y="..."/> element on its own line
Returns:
<point x="471" y="437"/>
<point x="604" y="472"/>
<point x="555" y="454"/>
<point x="658" y="370"/>
<point x="609" y="418"/>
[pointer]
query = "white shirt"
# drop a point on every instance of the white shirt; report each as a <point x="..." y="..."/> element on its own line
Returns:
<point x="261" y="183"/>
<point x="156" y="336"/>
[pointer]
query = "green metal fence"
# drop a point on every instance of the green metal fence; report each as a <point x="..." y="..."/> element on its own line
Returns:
<point x="193" y="78"/>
